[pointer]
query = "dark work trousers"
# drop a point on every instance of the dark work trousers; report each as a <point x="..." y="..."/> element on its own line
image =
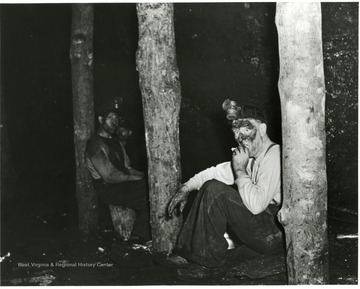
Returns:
<point x="216" y="207"/>
<point x="131" y="194"/>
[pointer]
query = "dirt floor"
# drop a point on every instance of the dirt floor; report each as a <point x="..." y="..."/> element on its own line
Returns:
<point x="41" y="246"/>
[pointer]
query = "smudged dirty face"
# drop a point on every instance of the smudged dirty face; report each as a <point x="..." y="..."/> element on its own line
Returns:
<point x="246" y="134"/>
<point x="110" y="123"/>
<point x="123" y="133"/>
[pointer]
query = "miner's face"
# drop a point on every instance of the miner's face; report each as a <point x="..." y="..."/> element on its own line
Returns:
<point x="123" y="133"/>
<point x="109" y="122"/>
<point x="247" y="134"/>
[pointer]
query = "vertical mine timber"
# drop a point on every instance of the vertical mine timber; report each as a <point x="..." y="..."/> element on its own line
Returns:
<point x="81" y="55"/>
<point x="302" y="92"/>
<point x="161" y="96"/>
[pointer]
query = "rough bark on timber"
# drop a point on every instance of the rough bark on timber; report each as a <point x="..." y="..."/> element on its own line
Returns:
<point x="161" y="95"/>
<point x="302" y="92"/>
<point x="123" y="221"/>
<point x="81" y="54"/>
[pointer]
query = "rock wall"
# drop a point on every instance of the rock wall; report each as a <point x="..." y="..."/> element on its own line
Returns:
<point x="340" y="42"/>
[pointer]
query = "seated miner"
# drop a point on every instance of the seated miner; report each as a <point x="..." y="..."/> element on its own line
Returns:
<point x="115" y="182"/>
<point x="242" y="196"/>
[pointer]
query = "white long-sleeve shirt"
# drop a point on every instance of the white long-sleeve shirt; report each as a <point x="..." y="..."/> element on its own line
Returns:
<point x="259" y="188"/>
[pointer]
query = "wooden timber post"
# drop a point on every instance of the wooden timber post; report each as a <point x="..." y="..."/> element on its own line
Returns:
<point x="302" y="91"/>
<point x="161" y="95"/>
<point x="81" y="55"/>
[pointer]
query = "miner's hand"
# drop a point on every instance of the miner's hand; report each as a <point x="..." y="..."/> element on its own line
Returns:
<point x="240" y="160"/>
<point x="180" y="198"/>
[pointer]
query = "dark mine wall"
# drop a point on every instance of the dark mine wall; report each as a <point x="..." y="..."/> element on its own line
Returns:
<point x="36" y="91"/>
<point x="340" y="42"/>
<point x="224" y="51"/>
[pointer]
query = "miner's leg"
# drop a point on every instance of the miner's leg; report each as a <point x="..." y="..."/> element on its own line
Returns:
<point x="133" y="195"/>
<point x="202" y="237"/>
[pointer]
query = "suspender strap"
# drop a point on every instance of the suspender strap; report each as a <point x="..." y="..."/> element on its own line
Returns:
<point x="270" y="146"/>
<point x="253" y="160"/>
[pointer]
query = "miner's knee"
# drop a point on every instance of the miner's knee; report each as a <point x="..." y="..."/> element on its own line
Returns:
<point x="213" y="188"/>
<point x="214" y="184"/>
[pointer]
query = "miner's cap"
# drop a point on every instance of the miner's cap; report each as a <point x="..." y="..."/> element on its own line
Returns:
<point x="110" y="106"/>
<point x="236" y="111"/>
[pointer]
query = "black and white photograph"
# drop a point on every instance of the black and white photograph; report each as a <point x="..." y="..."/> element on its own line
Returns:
<point x="179" y="143"/>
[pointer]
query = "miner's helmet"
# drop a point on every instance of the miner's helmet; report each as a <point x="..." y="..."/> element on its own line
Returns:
<point x="235" y="111"/>
<point x="114" y="106"/>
